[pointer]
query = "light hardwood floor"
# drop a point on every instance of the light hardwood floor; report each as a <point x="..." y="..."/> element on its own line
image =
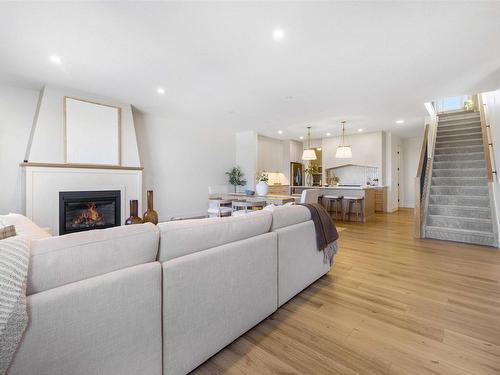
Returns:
<point x="391" y="304"/>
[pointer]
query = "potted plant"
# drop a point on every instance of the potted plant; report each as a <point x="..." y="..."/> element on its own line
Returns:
<point x="262" y="179"/>
<point x="236" y="177"/>
<point x="468" y="105"/>
<point x="309" y="171"/>
<point x="333" y="180"/>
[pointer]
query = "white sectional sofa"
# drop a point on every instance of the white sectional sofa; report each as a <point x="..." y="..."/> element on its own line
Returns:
<point x="94" y="305"/>
<point x="147" y="299"/>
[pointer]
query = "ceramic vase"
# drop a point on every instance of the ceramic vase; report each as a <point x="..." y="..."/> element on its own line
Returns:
<point x="262" y="188"/>
<point x="309" y="180"/>
<point x="133" y="219"/>
<point x="150" y="216"/>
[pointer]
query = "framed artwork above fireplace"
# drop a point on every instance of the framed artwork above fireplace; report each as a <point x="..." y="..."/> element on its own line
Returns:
<point x="92" y="132"/>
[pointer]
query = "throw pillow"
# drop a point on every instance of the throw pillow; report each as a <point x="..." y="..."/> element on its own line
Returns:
<point x="8" y="231"/>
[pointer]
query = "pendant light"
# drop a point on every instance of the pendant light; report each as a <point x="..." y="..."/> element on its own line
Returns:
<point x="309" y="153"/>
<point x="343" y="150"/>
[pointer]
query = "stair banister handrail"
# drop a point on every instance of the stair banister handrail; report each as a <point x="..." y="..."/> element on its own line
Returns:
<point x="486" y="141"/>
<point x="420" y="182"/>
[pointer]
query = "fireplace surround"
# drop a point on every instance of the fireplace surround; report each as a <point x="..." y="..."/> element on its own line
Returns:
<point x="87" y="210"/>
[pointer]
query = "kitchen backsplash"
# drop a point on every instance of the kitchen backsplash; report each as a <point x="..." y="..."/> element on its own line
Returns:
<point x="354" y="174"/>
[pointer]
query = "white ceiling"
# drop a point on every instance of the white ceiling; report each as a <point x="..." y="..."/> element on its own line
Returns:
<point x="370" y="63"/>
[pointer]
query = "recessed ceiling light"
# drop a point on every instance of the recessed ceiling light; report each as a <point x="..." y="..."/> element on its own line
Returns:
<point x="360" y="130"/>
<point x="301" y="137"/>
<point x="160" y="90"/>
<point x="280" y="131"/>
<point x="400" y="122"/>
<point x="278" y="34"/>
<point x="55" y="59"/>
<point x="328" y="134"/>
<point x="318" y="148"/>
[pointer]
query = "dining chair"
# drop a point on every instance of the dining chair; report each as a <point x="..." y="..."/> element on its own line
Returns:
<point x="217" y="205"/>
<point x="310" y="196"/>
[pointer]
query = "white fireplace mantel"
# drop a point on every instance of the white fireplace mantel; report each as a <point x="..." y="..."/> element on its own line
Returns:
<point x="44" y="181"/>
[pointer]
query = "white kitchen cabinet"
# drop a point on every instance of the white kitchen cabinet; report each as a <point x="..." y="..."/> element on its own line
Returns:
<point x="296" y="150"/>
<point x="269" y="154"/>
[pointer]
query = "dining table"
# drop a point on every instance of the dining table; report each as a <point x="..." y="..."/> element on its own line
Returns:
<point x="276" y="199"/>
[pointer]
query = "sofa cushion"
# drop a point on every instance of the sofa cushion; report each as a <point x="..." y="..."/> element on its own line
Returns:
<point x="61" y="260"/>
<point x="24" y="226"/>
<point x="184" y="237"/>
<point x="284" y="216"/>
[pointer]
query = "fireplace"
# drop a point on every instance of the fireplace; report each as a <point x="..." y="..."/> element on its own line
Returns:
<point x="86" y="210"/>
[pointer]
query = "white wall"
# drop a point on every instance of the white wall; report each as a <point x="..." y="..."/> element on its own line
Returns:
<point x="181" y="160"/>
<point x="366" y="150"/>
<point x="410" y="150"/>
<point x="49" y="129"/>
<point x="17" y="108"/>
<point x="492" y="112"/>
<point x="246" y="148"/>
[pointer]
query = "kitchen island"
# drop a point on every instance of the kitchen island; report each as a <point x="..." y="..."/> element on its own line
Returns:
<point x="366" y="192"/>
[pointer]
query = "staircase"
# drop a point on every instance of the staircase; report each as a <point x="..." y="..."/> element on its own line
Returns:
<point x="459" y="207"/>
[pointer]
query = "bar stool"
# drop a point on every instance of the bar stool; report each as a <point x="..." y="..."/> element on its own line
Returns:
<point x="355" y="202"/>
<point x="335" y="202"/>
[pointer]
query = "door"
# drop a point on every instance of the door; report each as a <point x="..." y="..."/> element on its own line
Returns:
<point x="398" y="175"/>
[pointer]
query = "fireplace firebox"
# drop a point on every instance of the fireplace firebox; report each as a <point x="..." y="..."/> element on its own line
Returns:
<point x="86" y="210"/>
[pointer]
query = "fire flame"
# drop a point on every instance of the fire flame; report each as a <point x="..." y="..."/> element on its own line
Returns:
<point x="89" y="216"/>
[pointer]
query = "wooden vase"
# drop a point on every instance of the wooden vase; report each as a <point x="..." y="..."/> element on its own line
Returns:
<point x="134" y="219"/>
<point x="150" y="216"/>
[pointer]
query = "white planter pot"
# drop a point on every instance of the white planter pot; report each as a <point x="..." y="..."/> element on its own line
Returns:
<point x="309" y="180"/>
<point x="262" y="188"/>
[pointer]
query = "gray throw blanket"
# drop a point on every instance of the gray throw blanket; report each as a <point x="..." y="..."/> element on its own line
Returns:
<point x="14" y="259"/>
<point x="326" y="232"/>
